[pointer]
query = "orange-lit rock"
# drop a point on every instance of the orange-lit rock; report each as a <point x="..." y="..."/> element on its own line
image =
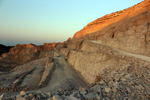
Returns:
<point x="112" y="18"/>
<point x="23" y="53"/>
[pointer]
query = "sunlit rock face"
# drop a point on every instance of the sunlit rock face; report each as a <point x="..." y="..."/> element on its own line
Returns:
<point x="129" y="30"/>
<point x="109" y="19"/>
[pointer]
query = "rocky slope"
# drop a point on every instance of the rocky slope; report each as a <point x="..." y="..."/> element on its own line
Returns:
<point x="52" y="72"/>
<point x="129" y="34"/>
<point x="113" y="75"/>
<point x="24" y="53"/>
<point x="109" y="19"/>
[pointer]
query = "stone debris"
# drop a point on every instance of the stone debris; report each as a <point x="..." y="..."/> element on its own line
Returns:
<point x="118" y="90"/>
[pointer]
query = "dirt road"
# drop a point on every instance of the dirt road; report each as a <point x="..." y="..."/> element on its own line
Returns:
<point x="146" y="58"/>
<point x="63" y="76"/>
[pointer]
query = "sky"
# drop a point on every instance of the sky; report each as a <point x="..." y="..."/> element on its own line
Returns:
<point x="45" y="21"/>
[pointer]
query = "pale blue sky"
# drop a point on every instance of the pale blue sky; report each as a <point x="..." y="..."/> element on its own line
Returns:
<point x="43" y="21"/>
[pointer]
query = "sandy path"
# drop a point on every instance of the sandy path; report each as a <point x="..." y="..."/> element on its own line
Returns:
<point x="146" y="58"/>
<point x="63" y="77"/>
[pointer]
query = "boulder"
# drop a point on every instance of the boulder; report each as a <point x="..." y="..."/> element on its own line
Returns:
<point x="107" y="89"/>
<point x="20" y="98"/>
<point x="57" y="97"/>
<point x="22" y="93"/>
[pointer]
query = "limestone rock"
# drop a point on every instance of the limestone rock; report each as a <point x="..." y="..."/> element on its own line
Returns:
<point x="49" y="94"/>
<point x="107" y="89"/>
<point x="22" y="93"/>
<point x="65" y="51"/>
<point x="20" y="98"/>
<point x="48" y="69"/>
<point x="57" y="97"/>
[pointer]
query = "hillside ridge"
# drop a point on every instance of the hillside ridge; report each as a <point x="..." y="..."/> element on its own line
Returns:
<point x="112" y="18"/>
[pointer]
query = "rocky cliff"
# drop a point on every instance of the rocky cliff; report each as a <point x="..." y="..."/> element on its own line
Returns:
<point x="109" y="19"/>
<point x="128" y="31"/>
<point x="24" y="53"/>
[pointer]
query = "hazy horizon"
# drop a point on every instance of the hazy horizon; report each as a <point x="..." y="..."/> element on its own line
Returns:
<point x="44" y="21"/>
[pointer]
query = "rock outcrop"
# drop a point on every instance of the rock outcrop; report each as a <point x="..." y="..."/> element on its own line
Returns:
<point x="24" y="53"/>
<point x="49" y="67"/>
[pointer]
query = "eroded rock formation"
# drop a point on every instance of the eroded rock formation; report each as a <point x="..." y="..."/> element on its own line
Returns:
<point x="24" y="53"/>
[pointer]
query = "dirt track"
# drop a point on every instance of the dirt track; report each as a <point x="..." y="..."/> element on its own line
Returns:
<point x="63" y="76"/>
<point x="146" y="58"/>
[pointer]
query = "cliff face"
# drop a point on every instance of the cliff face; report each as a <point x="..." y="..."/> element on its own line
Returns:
<point x="109" y="19"/>
<point x="93" y="59"/>
<point x="127" y="30"/>
<point x="130" y="35"/>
